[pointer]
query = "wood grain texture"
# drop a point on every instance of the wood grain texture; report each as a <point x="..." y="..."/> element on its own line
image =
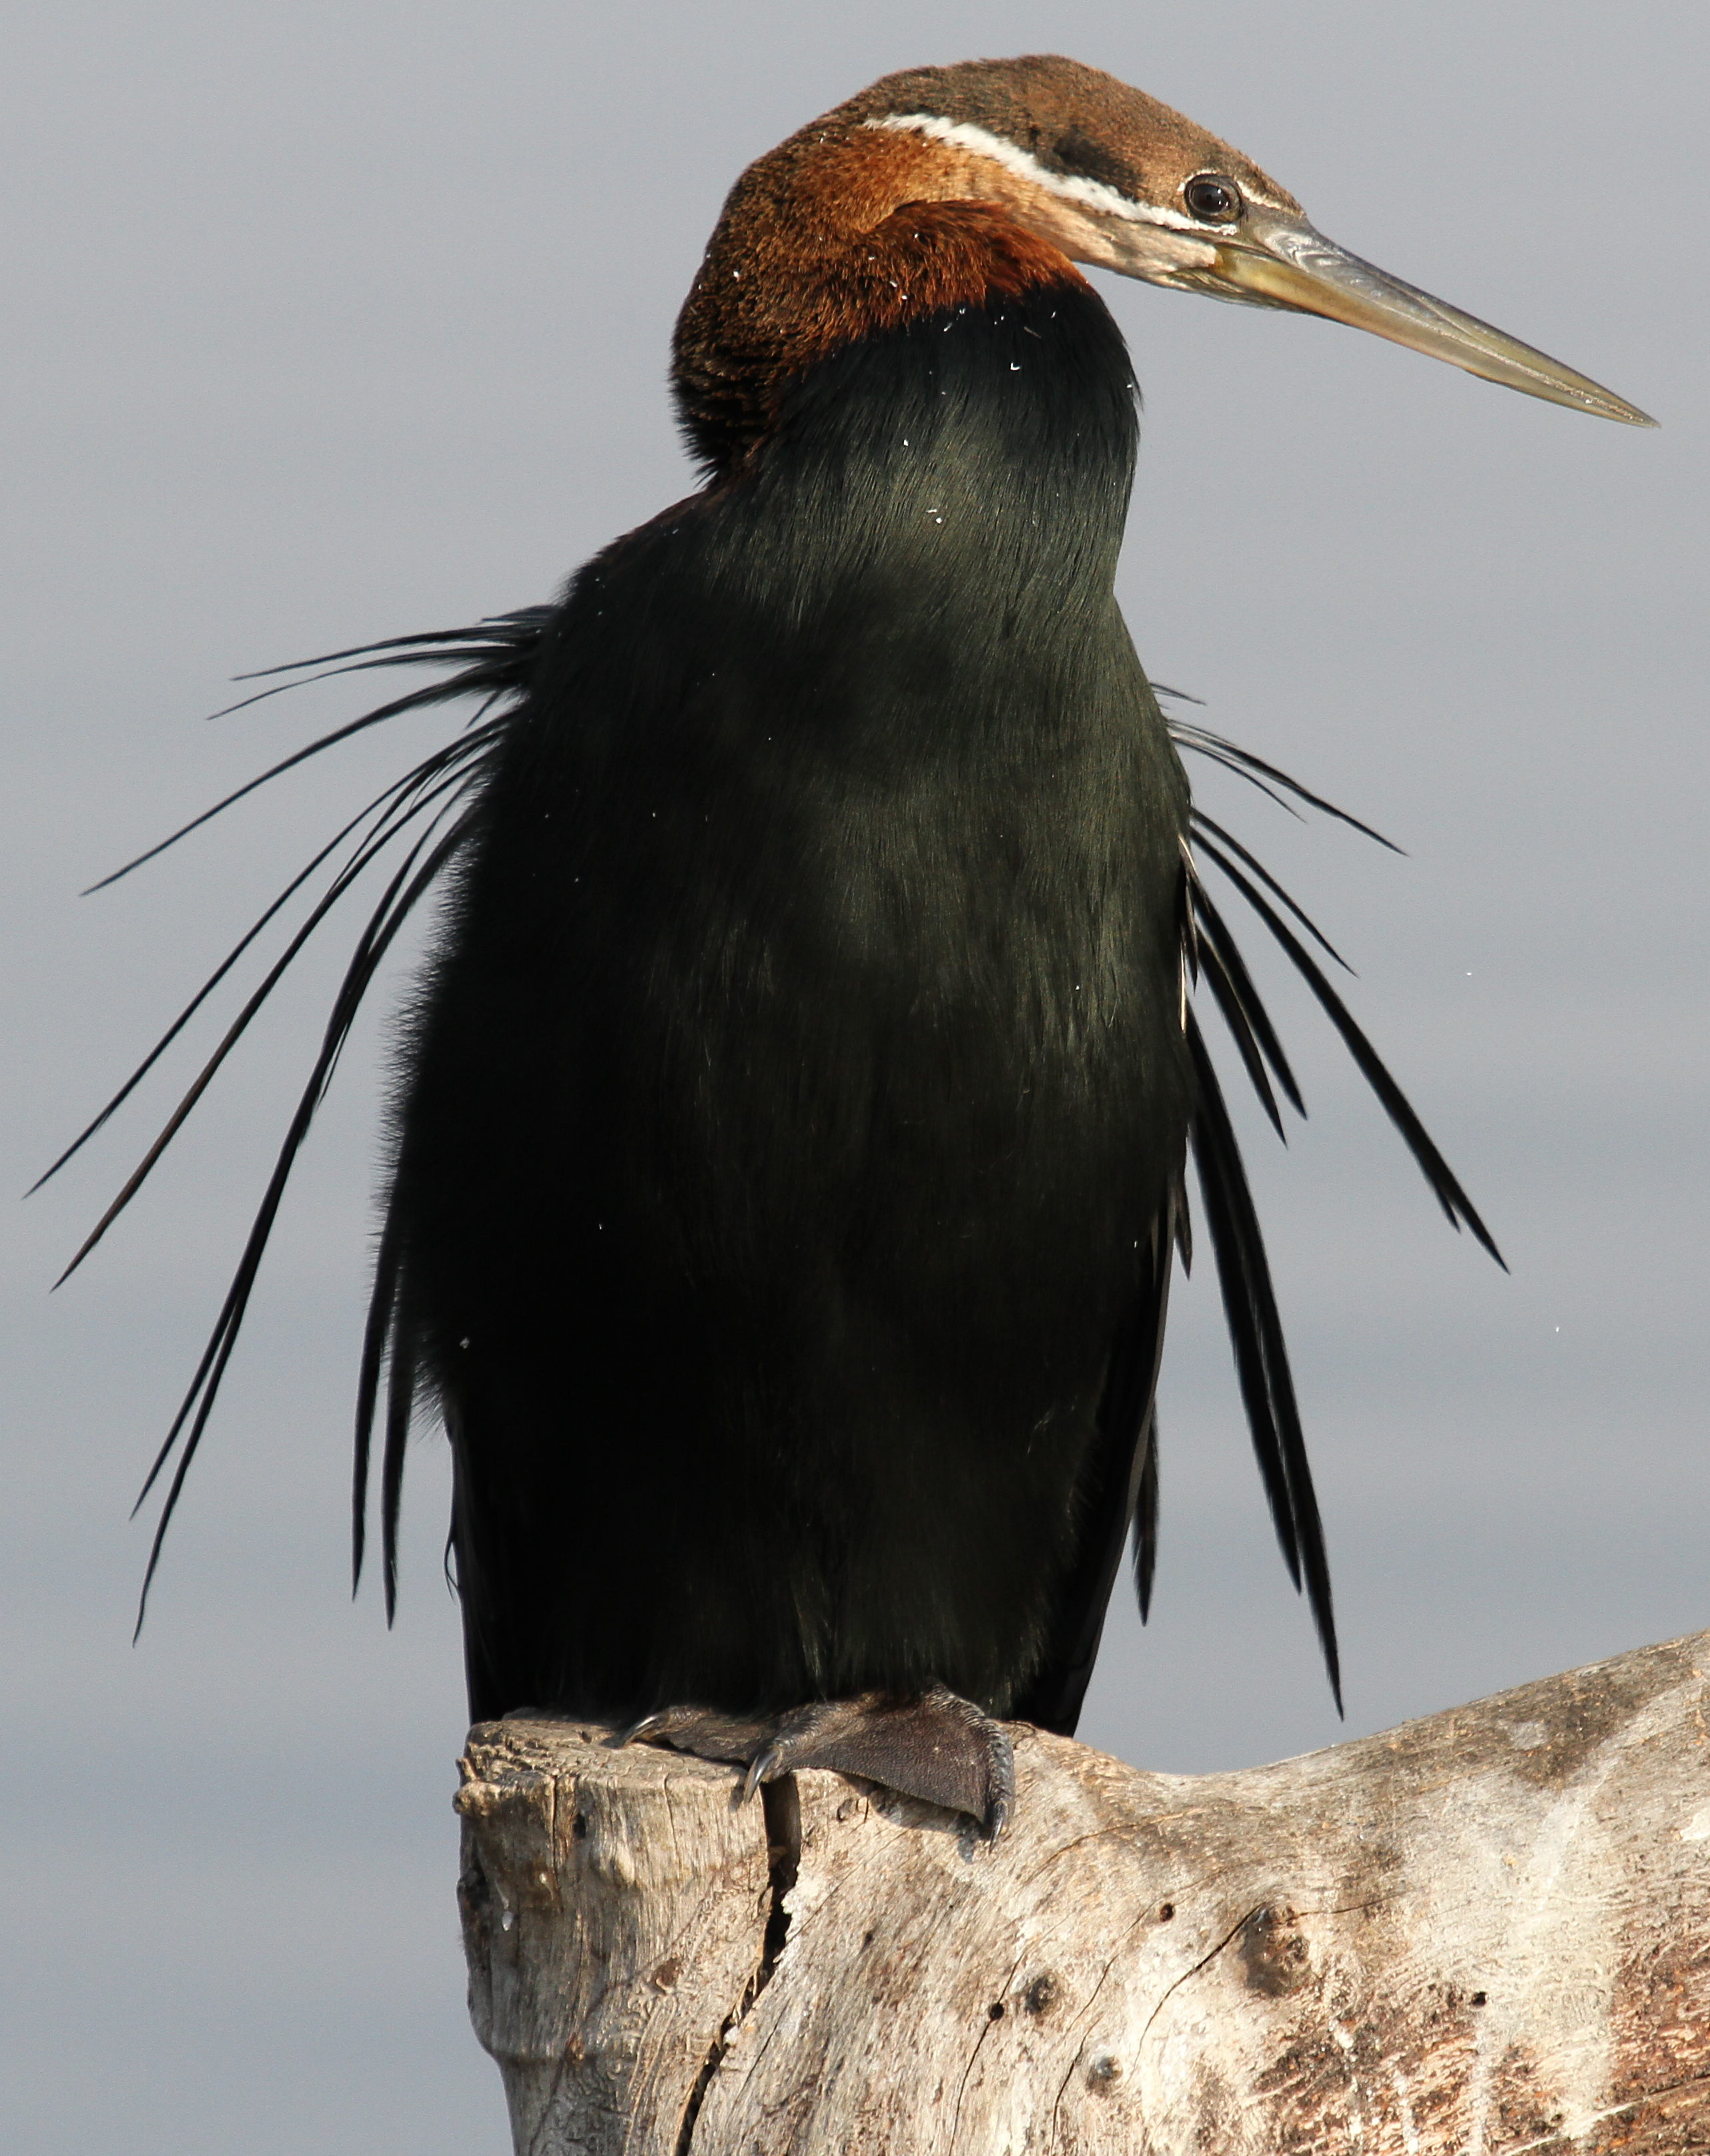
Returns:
<point x="1487" y="1933"/>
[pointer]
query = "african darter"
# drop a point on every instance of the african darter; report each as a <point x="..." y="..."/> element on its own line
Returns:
<point x="789" y="1141"/>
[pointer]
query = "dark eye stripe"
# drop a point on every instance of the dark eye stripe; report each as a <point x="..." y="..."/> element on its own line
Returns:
<point x="1076" y="153"/>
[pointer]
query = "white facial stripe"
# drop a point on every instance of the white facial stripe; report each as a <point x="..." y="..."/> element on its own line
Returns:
<point x="1089" y="194"/>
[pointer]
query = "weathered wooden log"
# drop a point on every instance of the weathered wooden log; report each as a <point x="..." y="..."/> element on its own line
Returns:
<point x="1487" y="1933"/>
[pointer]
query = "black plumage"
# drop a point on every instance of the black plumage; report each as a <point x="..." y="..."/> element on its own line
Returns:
<point x="787" y="1118"/>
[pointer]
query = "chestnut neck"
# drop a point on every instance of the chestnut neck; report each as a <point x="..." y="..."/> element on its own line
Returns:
<point x="844" y="234"/>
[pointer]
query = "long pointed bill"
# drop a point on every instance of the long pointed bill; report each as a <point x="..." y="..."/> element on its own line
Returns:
<point x="1281" y="262"/>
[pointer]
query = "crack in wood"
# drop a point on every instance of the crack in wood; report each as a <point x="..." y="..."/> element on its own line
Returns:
<point x="781" y="1806"/>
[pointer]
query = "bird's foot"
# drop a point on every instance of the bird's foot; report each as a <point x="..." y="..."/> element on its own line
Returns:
<point x="939" y="1747"/>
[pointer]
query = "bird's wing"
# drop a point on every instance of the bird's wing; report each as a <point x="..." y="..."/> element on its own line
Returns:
<point x="1119" y="1490"/>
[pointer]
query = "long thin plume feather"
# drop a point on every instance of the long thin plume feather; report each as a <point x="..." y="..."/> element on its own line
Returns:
<point x="1255" y="1326"/>
<point x="497" y="666"/>
<point x="400" y="1398"/>
<point x="1244" y="1012"/>
<point x="1240" y="1029"/>
<point x="1145" y="1520"/>
<point x="392" y="809"/>
<point x="1232" y="985"/>
<point x="499" y="639"/>
<point x="365" y="854"/>
<point x="491" y="663"/>
<point x="1200" y="741"/>
<point x="377" y="1336"/>
<point x="1261" y="1355"/>
<point x="497" y="656"/>
<point x="400" y="898"/>
<point x="1203" y="829"/>
<point x="1457" y="1207"/>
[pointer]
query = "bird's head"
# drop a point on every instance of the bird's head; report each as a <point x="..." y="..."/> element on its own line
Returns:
<point x="939" y="186"/>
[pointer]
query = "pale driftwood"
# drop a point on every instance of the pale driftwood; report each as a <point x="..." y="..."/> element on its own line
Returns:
<point x="1487" y="1933"/>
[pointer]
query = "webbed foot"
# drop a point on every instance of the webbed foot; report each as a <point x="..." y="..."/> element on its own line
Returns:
<point x="939" y="1747"/>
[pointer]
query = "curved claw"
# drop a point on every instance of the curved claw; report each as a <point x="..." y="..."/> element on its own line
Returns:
<point x="650" y="1725"/>
<point x="763" y="1767"/>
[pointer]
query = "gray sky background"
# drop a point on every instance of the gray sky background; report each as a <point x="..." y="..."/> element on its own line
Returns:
<point x="328" y="322"/>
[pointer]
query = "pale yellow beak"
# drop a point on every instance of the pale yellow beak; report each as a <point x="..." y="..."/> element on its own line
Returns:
<point x="1276" y="260"/>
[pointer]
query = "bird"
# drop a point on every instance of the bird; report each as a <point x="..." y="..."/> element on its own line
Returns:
<point x="792" y="1117"/>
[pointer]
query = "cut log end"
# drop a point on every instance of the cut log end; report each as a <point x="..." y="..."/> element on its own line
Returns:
<point x="1485" y="1931"/>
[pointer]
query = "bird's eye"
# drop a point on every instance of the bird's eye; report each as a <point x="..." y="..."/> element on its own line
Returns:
<point x="1212" y="200"/>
